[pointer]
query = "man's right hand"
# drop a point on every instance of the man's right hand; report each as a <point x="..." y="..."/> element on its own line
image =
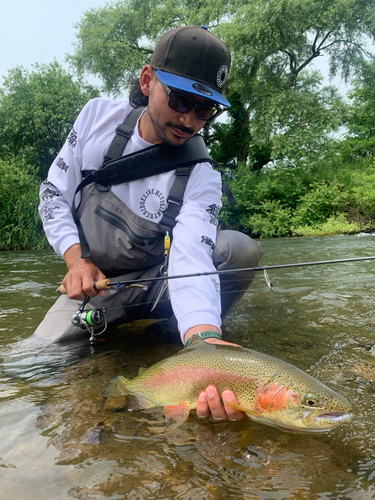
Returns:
<point x="81" y="275"/>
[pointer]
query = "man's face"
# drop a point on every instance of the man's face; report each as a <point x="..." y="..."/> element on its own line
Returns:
<point x="171" y="127"/>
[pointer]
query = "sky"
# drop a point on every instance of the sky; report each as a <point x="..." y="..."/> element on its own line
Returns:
<point x="39" y="31"/>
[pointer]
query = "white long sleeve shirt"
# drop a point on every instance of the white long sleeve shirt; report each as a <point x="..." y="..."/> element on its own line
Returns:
<point x="194" y="300"/>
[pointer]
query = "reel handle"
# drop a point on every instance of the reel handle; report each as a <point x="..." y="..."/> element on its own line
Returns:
<point x="98" y="285"/>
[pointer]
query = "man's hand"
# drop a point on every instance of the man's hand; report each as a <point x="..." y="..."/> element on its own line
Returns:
<point x="81" y="275"/>
<point x="210" y="403"/>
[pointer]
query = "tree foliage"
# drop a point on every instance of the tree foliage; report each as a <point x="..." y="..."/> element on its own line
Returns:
<point x="289" y="171"/>
<point x="361" y="124"/>
<point x="37" y="110"/>
<point x="280" y="108"/>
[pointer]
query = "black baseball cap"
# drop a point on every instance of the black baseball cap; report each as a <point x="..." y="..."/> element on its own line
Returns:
<point x="193" y="59"/>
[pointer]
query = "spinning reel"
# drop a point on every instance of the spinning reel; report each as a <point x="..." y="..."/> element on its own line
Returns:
<point x="90" y="319"/>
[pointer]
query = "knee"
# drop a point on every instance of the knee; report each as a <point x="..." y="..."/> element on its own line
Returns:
<point x="236" y="250"/>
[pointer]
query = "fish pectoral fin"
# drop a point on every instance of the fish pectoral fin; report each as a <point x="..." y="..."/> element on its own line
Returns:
<point x="236" y="406"/>
<point x="138" y="403"/>
<point x="177" y="415"/>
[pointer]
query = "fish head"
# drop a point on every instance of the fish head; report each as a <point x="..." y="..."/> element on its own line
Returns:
<point x="307" y="406"/>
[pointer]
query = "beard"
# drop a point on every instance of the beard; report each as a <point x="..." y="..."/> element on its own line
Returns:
<point x="163" y="130"/>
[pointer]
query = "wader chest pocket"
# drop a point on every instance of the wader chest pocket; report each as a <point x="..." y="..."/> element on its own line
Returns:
<point x="120" y="223"/>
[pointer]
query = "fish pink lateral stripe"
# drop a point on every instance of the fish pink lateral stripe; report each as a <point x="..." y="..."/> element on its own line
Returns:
<point x="193" y="374"/>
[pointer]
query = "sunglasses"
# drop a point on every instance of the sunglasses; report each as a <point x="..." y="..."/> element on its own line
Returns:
<point x="183" y="104"/>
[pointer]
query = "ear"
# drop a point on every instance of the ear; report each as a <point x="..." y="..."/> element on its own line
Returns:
<point x="146" y="79"/>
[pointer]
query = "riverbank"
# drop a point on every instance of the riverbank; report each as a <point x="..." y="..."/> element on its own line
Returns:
<point x="333" y="226"/>
<point x="281" y="201"/>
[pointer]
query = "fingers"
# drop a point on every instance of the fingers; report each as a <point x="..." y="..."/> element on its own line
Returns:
<point x="203" y="410"/>
<point x="210" y="403"/>
<point x="233" y="413"/>
<point x="80" y="279"/>
<point x="73" y="287"/>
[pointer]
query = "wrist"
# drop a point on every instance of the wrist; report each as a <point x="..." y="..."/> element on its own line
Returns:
<point x="73" y="256"/>
<point x="207" y="334"/>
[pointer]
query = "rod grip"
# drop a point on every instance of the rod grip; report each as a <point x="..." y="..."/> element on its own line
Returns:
<point x="98" y="285"/>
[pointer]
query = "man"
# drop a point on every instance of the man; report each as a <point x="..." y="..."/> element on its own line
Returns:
<point x="120" y="225"/>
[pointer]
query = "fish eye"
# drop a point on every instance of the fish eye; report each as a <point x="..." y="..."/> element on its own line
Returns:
<point x="311" y="400"/>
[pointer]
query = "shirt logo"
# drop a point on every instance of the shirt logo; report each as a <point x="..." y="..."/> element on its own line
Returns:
<point x="207" y="240"/>
<point x="211" y="216"/>
<point x="46" y="200"/>
<point x="152" y="204"/>
<point x="61" y="164"/>
<point x="72" y="138"/>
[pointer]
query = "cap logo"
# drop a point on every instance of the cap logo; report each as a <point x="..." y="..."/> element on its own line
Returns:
<point x="202" y="89"/>
<point x="222" y="76"/>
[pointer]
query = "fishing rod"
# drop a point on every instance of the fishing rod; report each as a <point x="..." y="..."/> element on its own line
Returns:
<point x="94" y="318"/>
<point x="106" y="283"/>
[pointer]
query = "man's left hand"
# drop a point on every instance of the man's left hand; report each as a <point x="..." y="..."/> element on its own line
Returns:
<point x="210" y="403"/>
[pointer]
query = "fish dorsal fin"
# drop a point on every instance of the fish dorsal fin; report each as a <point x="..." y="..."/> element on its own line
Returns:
<point x="141" y="370"/>
<point x="197" y="342"/>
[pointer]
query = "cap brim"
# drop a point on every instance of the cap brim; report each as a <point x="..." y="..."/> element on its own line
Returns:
<point x="192" y="86"/>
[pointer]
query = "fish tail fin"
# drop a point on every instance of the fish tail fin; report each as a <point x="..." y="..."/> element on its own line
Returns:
<point x="117" y="386"/>
<point x="177" y="415"/>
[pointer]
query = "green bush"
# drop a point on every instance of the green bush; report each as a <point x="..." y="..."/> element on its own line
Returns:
<point x="282" y="186"/>
<point x="321" y="202"/>
<point x="275" y="200"/>
<point x="273" y="220"/>
<point x="334" y="225"/>
<point x="20" y="225"/>
<point x="362" y="193"/>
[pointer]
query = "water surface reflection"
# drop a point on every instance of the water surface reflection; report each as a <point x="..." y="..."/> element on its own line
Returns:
<point x="60" y="440"/>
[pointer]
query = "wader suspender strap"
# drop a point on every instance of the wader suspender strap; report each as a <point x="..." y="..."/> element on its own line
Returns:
<point x="145" y="163"/>
<point x="175" y="199"/>
<point x="123" y="133"/>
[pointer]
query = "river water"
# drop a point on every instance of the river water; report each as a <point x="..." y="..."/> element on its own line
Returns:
<point x="58" y="440"/>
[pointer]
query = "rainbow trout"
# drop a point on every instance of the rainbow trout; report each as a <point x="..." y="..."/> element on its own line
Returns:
<point x="268" y="390"/>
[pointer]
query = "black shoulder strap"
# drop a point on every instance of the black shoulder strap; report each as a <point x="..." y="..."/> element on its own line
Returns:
<point x="123" y="133"/>
<point x="175" y="199"/>
<point x="228" y="193"/>
<point x="151" y="161"/>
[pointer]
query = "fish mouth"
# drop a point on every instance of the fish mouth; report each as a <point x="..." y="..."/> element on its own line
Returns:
<point x="309" y="422"/>
<point x="336" y="417"/>
<point x="322" y="422"/>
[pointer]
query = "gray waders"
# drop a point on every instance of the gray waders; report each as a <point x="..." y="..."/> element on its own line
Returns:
<point x="125" y="246"/>
<point x="234" y="250"/>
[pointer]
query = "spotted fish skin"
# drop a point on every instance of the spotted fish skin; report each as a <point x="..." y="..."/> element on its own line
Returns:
<point x="267" y="389"/>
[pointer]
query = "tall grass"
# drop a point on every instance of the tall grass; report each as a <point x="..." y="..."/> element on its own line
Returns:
<point x="20" y="225"/>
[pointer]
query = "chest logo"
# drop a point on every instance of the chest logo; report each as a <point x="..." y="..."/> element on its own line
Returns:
<point x="152" y="204"/>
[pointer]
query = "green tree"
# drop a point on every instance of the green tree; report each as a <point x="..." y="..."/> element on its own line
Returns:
<point x="361" y="123"/>
<point x="280" y="107"/>
<point x="37" y="110"/>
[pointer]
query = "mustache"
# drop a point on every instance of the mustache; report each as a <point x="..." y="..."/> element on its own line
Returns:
<point x="186" y="130"/>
